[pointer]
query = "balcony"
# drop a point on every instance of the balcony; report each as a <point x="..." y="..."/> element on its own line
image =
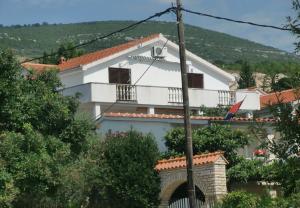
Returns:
<point x="126" y="93"/>
<point x="161" y="96"/>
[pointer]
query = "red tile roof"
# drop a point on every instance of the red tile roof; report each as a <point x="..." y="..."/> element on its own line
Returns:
<point x="180" y="162"/>
<point x="38" y="67"/>
<point x="165" y="116"/>
<point x="285" y="96"/>
<point x="90" y="57"/>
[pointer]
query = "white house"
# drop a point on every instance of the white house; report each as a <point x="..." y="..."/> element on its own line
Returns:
<point x="143" y="76"/>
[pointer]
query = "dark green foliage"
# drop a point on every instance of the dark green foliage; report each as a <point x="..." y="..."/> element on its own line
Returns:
<point x="286" y="170"/>
<point x="118" y="171"/>
<point x="218" y="111"/>
<point x="246" y="76"/>
<point x="246" y="170"/>
<point x="285" y="83"/>
<point x="287" y="173"/>
<point x="34" y="163"/>
<point x="11" y="116"/>
<point x="289" y="128"/>
<point x="65" y="51"/>
<point x="8" y="191"/>
<point x="239" y="199"/>
<point x="293" y="22"/>
<point x="39" y="135"/>
<point x="210" y="139"/>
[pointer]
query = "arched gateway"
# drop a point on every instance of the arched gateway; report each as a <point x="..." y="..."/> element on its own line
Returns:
<point x="209" y="178"/>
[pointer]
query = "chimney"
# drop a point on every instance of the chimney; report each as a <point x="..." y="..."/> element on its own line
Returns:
<point x="62" y="60"/>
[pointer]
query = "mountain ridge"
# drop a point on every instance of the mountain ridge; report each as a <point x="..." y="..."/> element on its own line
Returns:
<point x="216" y="47"/>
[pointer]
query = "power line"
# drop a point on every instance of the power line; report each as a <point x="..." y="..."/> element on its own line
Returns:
<point x="236" y="21"/>
<point x="158" y="14"/>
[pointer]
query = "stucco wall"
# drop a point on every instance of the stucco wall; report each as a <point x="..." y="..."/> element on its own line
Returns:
<point x="161" y="73"/>
<point x="71" y="78"/>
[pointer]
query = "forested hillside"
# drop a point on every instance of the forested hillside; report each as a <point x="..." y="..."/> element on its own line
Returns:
<point x="219" y="48"/>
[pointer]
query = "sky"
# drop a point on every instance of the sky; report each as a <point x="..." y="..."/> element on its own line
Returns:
<point x="273" y="12"/>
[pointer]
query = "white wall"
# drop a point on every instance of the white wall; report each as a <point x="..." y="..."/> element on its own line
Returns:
<point x="159" y="74"/>
<point x="157" y="129"/>
<point x="71" y="78"/>
<point x="252" y="99"/>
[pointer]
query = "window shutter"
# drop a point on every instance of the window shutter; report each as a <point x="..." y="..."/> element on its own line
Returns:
<point x="195" y="80"/>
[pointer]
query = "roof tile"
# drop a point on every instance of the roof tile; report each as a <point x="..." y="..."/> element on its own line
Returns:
<point x="90" y="57"/>
<point x="165" y="116"/>
<point x="38" y="67"/>
<point x="285" y="96"/>
<point x="180" y="162"/>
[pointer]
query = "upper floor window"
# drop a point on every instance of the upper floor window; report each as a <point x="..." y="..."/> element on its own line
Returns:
<point x="195" y="80"/>
<point x="119" y="76"/>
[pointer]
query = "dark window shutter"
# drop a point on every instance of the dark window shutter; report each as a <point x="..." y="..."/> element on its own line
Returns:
<point x="195" y="80"/>
<point x="119" y="76"/>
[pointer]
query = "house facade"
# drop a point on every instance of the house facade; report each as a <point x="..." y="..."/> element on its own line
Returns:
<point x="143" y="76"/>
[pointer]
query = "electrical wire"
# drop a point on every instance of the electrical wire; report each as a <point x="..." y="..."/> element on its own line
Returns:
<point x="158" y="14"/>
<point x="235" y="21"/>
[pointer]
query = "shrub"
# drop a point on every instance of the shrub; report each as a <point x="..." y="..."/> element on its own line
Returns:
<point x="239" y="199"/>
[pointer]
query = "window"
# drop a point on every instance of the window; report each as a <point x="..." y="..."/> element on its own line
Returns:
<point x="195" y="80"/>
<point x="119" y="76"/>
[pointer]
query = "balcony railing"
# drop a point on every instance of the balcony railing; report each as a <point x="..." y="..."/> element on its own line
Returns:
<point x="226" y="97"/>
<point x="175" y="95"/>
<point x="126" y="92"/>
<point x="161" y="96"/>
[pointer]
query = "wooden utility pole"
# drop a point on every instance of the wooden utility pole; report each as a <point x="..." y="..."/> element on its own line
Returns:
<point x="187" y="123"/>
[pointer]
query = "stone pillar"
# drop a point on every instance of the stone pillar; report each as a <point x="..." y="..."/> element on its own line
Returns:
<point x="164" y="204"/>
<point x="151" y="110"/>
<point x="96" y="110"/>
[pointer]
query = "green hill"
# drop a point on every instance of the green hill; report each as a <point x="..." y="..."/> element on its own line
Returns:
<point x="219" y="48"/>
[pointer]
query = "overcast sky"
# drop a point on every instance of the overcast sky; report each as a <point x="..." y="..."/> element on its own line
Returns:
<point x="65" y="11"/>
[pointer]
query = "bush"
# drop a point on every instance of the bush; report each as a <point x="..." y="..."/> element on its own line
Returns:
<point x="239" y="199"/>
<point x="118" y="171"/>
<point x="210" y="139"/>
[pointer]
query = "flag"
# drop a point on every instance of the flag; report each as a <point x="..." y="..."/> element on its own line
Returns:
<point x="233" y="110"/>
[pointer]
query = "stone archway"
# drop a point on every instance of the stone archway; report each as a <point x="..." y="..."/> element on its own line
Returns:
<point x="180" y="196"/>
<point x="209" y="176"/>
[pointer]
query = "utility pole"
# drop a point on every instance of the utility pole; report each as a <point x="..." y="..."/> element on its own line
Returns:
<point x="187" y="123"/>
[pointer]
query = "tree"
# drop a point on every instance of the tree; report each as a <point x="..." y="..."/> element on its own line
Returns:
<point x="210" y="139"/>
<point x="40" y="135"/>
<point x="293" y="22"/>
<point x="285" y="83"/>
<point x="246" y="76"/>
<point x="66" y="51"/>
<point x="286" y="170"/>
<point x="117" y="171"/>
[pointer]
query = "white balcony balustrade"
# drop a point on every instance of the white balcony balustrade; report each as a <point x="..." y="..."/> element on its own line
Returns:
<point x="126" y="92"/>
<point x="161" y="96"/>
<point x="175" y="95"/>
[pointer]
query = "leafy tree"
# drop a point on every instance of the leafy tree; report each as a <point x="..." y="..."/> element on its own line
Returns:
<point x="39" y="135"/>
<point x="33" y="162"/>
<point x="246" y="170"/>
<point x="246" y="76"/>
<point x="210" y="139"/>
<point x="286" y="170"/>
<point x="293" y="22"/>
<point x="118" y="171"/>
<point x="10" y="92"/>
<point x="239" y="199"/>
<point x="286" y="83"/>
<point x="66" y="51"/>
